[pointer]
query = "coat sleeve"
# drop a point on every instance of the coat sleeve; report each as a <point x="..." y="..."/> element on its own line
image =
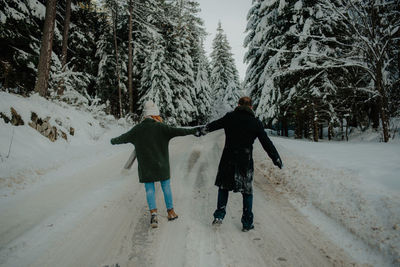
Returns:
<point x="267" y="144"/>
<point x="128" y="137"/>
<point x="217" y="124"/>
<point x="171" y="132"/>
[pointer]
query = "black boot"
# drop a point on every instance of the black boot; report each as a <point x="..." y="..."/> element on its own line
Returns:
<point x="247" y="228"/>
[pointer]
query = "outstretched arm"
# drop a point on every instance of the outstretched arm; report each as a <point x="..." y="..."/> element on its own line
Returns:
<point x="128" y="137"/>
<point x="269" y="148"/>
<point x="216" y="125"/>
<point x="171" y="132"/>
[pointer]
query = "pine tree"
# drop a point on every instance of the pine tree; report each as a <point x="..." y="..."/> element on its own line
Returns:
<point x="112" y="53"/>
<point x="86" y="29"/>
<point x="151" y="50"/>
<point x="164" y="33"/>
<point x="314" y="76"/>
<point x="130" y="57"/>
<point x="293" y="75"/>
<point x="155" y="81"/>
<point x="20" y="26"/>
<point x="253" y="42"/>
<point x="148" y="21"/>
<point x="374" y="26"/>
<point x="67" y="20"/>
<point x="203" y="100"/>
<point x="181" y="65"/>
<point x="224" y="74"/>
<point x="106" y="82"/>
<point x="42" y="81"/>
<point x="114" y="8"/>
<point x="196" y="32"/>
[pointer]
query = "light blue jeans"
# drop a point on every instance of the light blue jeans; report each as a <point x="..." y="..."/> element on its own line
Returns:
<point x="151" y="194"/>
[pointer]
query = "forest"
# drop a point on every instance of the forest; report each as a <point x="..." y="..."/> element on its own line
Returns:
<point x="325" y="64"/>
<point x="314" y="66"/>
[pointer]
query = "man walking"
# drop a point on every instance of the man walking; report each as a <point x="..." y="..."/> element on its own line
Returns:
<point x="235" y="170"/>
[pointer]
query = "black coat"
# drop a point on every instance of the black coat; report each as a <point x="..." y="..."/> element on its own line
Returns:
<point x="235" y="171"/>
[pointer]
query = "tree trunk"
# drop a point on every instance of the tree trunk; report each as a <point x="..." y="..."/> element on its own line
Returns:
<point x="375" y="115"/>
<point x="7" y="69"/>
<point x="382" y="103"/>
<point x="286" y="131"/>
<point x="353" y="121"/>
<point x="382" y="98"/>
<point x="341" y="128"/>
<point x="130" y="54"/>
<point x="330" y="131"/>
<point x="42" y="82"/>
<point x="315" y="127"/>
<point x="299" y="125"/>
<point x="306" y="126"/>
<point x="65" y="44"/>
<point x="321" y="131"/>
<point x="285" y="127"/>
<point x="315" y="131"/>
<point x="114" y="15"/>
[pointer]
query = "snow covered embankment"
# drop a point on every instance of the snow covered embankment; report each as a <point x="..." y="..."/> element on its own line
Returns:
<point x="26" y="155"/>
<point x="356" y="184"/>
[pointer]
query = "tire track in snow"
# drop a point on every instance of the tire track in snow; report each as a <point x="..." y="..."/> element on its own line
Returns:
<point x="142" y="241"/>
<point x="228" y="246"/>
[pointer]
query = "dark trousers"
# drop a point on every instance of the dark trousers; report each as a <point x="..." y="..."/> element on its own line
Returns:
<point x="247" y="216"/>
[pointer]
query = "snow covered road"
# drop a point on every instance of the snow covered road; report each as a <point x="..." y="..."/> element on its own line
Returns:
<point x="98" y="216"/>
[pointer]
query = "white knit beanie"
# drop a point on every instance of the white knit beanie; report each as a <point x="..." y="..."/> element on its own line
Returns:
<point x="150" y="109"/>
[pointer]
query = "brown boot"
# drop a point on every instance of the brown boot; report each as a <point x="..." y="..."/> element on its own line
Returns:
<point x="172" y="215"/>
<point x="153" y="219"/>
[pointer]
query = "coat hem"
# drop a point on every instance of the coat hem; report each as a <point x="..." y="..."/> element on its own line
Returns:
<point x="154" y="180"/>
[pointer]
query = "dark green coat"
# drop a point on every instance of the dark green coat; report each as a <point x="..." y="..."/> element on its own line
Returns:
<point x="151" y="140"/>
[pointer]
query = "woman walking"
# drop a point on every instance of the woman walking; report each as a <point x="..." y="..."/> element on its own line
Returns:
<point x="151" y="138"/>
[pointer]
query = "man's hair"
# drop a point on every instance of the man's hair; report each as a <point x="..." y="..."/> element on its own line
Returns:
<point x="245" y="101"/>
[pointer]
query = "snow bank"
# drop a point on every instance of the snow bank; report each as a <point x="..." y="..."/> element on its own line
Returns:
<point x="25" y="154"/>
<point x="356" y="184"/>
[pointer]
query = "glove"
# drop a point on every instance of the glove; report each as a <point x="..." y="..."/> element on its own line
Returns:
<point x="112" y="141"/>
<point x="200" y="131"/>
<point x="278" y="163"/>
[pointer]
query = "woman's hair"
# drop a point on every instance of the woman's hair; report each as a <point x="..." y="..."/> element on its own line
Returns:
<point x="157" y="118"/>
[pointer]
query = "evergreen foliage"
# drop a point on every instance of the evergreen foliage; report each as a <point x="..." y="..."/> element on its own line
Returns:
<point x="203" y="100"/>
<point x="169" y="63"/>
<point x="224" y="75"/>
<point x="318" y="63"/>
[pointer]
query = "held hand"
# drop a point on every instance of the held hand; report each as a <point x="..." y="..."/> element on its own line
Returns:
<point x="200" y="131"/>
<point x="204" y="130"/>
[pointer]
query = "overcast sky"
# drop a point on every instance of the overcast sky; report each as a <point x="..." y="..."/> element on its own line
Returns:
<point x="232" y="14"/>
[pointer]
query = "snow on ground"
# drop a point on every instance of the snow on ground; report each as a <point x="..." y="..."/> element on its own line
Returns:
<point x="98" y="216"/>
<point x="68" y="203"/>
<point x="31" y="155"/>
<point x="355" y="184"/>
